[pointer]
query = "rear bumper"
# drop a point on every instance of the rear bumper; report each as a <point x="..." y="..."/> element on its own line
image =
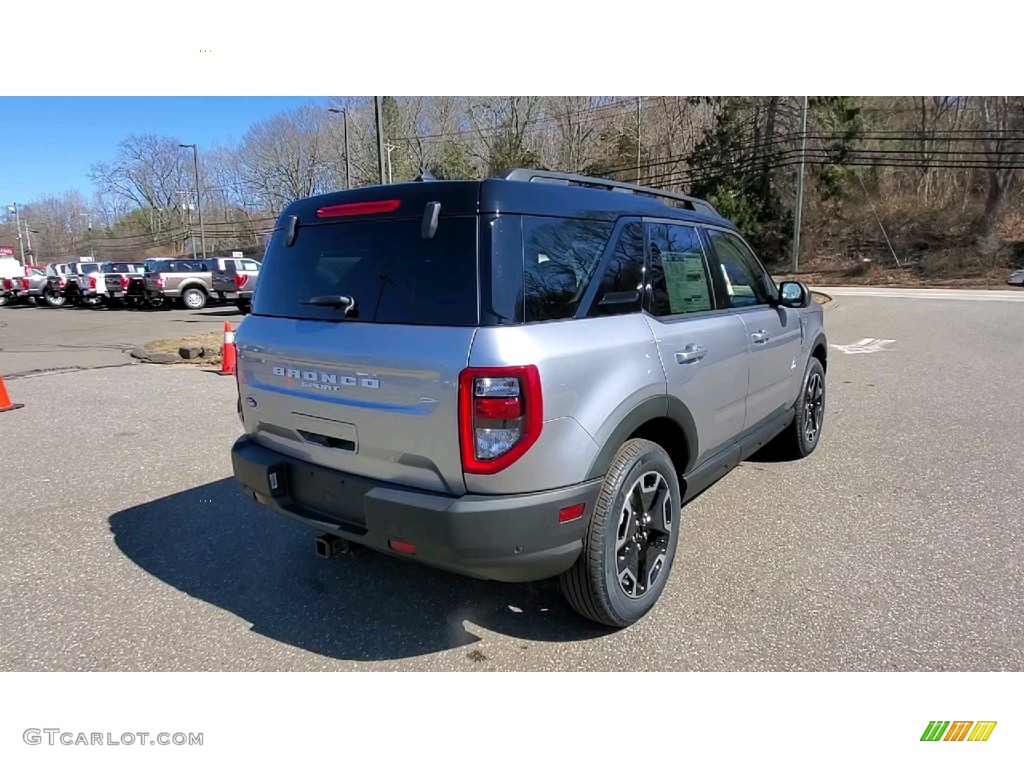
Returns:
<point x="502" y="538"/>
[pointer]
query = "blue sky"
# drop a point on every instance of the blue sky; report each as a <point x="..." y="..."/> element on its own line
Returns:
<point x="47" y="144"/>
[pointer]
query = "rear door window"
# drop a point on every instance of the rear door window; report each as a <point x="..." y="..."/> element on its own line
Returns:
<point x="678" y="275"/>
<point x="392" y="273"/>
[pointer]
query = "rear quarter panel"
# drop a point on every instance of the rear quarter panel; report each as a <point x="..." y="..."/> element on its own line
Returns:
<point x="593" y="372"/>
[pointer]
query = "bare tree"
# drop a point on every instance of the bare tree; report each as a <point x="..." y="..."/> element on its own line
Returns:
<point x="149" y="171"/>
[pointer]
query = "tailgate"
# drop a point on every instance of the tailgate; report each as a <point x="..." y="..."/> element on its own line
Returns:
<point x="380" y="401"/>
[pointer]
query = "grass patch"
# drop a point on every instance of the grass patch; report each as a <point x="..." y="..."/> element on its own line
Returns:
<point x="213" y="339"/>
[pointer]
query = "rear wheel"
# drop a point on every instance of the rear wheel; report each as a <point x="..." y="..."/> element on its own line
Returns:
<point x="193" y="298"/>
<point x="4" y="300"/>
<point x="54" y="299"/>
<point x="40" y="301"/>
<point x="631" y="540"/>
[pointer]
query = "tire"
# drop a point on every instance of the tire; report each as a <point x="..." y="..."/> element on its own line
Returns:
<point x="41" y="301"/>
<point x="193" y="298"/>
<point x="154" y="303"/>
<point x="54" y="299"/>
<point x="244" y="307"/>
<point x="600" y="585"/>
<point x="3" y="300"/>
<point x="800" y="439"/>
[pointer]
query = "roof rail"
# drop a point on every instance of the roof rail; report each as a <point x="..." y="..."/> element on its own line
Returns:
<point x="555" y="177"/>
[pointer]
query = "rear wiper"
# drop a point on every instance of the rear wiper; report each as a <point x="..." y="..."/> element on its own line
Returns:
<point x="346" y="302"/>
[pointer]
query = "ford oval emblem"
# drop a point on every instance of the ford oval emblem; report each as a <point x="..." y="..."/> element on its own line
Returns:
<point x="251" y="402"/>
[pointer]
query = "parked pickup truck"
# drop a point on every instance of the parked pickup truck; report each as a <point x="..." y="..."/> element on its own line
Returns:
<point x="195" y="282"/>
<point x="235" y="279"/>
<point x="245" y="292"/>
<point x="107" y="284"/>
<point x="59" y="276"/>
<point x="16" y="288"/>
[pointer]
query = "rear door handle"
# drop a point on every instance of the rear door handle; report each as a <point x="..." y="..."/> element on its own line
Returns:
<point x="760" y="337"/>
<point x="691" y="354"/>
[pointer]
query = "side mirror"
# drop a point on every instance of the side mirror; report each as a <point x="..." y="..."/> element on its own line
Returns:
<point x="794" y="295"/>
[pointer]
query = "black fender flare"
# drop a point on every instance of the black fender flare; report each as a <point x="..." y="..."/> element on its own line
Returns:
<point x="661" y="406"/>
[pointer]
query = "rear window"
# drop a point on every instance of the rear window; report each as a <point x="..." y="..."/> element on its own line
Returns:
<point x="392" y="273"/>
<point x="118" y="266"/>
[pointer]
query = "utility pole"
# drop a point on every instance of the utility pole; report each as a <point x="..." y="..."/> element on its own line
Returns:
<point x="380" y="136"/>
<point x="638" y="98"/>
<point x="800" y="188"/>
<point x="348" y="165"/>
<point x="17" y="221"/>
<point x="199" y="202"/>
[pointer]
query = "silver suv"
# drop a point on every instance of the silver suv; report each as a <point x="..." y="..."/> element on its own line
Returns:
<point x="518" y="378"/>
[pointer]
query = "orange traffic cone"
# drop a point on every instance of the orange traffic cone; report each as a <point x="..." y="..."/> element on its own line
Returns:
<point x="5" y="399"/>
<point x="228" y="356"/>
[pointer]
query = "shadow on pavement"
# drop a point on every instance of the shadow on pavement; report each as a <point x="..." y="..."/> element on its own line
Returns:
<point x="216" y="545"/>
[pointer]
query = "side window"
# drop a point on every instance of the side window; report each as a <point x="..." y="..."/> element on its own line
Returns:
<point x="746" y="282"/>
<point x="560" y="256"/>
<point x="679" y="278"/>
<point x="620" y="290"/>
<point x="250" y="266"/>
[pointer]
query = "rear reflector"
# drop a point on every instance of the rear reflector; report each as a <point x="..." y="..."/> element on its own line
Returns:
<point x="402" y="546"/>
<point x="358" y="209"/>
<point x="566" y="514"/>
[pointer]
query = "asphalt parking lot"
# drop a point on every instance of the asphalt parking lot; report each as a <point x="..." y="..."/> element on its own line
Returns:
<point x="35" y="339"/>
<point x="899" y="545"/>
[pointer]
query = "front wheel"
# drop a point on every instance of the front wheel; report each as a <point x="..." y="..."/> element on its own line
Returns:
<point x="803" y="435"/>
<point x="631" y="540"/>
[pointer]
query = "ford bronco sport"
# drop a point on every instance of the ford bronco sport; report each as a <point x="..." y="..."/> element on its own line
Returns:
<point x="518" y="378"/>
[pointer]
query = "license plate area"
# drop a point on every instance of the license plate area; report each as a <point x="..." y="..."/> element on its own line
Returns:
<point x="328" y="493"/>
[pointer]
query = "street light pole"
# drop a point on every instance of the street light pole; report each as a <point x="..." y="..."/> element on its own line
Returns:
<point x="88" y="218"/>
<point x="199" y="202"/>
<point x="348" y="166"/>
<point x="390" y="148"/>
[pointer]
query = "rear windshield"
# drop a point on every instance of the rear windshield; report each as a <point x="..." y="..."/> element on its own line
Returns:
<point x="392" y="273"/>
<point x="120" y="266"/>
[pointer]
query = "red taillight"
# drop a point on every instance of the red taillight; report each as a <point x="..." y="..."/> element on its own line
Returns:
<point x="160" y="282"/>
<point x="405" y="547"/>
<point x="125" y="280"/>
<point x="62" y="282"/>
<point x="500" y="416"/>
<point x="240" y="280"/>
<point x="24" y="284"/>
<point x="92" y="281"/>
<point x="358" y="209"/>
<point x="7" y="284"/>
